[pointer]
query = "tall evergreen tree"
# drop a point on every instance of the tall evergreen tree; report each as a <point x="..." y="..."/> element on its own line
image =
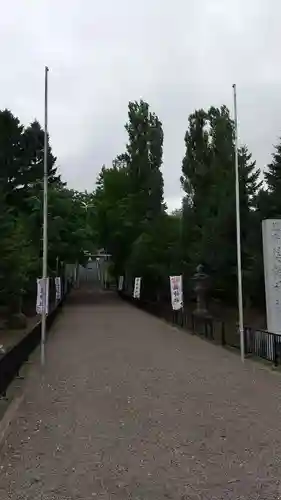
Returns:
<point x="11" y="151"/>
<point x="113" y="211"/>
<point x="270" y="200"/>
<point x="196" y="162"/>
<point x="209" y="182"/>
<point x="22" y="159"/>
<point x="144" y="157"/>
<point x="273" y="174"/>
<point x="34" y="164"/>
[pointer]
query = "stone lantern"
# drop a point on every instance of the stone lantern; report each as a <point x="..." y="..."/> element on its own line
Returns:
<point x="201" y="287"/>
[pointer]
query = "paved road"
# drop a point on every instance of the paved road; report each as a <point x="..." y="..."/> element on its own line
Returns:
<point x="131" y="408"/>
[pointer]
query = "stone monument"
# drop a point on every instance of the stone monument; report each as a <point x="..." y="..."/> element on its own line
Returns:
<point x="201" y="287"/>
<point x="271" y="232"/>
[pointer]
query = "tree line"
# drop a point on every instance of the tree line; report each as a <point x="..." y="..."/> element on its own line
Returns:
<point x="126" y="213"/>
<point x="21" y="212"/>
<point x="144" y="240"/>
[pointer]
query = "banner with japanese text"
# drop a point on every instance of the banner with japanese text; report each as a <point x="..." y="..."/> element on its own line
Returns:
<point x="137" y="288"/>
<point x="58" y="287"/>
<point x="121" y="283"/>
<point x="40" y="296"/>
<point x="176" y="292"/>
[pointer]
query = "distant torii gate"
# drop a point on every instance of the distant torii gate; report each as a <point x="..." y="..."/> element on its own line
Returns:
<point x="96" y="270"/>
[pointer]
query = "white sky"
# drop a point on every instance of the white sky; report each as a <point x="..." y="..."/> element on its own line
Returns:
<point x="178" y="55"/>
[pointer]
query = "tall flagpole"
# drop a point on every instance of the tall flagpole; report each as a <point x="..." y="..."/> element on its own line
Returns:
<point x="45" y="225"/>
<point x="238" y="233"/>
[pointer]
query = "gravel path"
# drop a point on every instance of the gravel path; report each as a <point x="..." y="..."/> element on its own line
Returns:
<point x="131" y="408"/>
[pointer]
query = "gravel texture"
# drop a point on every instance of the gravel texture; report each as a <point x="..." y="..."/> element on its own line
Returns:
<point x="128" y="407"/>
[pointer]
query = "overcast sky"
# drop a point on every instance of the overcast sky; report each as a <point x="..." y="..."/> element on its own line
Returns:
<point x="176" y="54"/>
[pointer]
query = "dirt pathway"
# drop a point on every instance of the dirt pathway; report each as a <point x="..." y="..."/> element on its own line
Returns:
<point x="131" y="408"/>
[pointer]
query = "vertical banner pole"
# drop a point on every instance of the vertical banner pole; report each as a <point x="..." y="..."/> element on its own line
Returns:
<point x="238" y="233"/>
<point x="45" y="224"/>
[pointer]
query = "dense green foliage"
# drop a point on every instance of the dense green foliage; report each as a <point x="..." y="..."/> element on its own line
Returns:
<point x="21" y="206"/>
<point x="131" y="218"/>
<point x="133" y="224"/>
<point x="126" y="213"/>
<point x="209" y="217"/>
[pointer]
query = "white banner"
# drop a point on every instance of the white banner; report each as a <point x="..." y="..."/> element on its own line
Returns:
<point x="120" y="283"/>
<point x="137" y="288"/>
<point x="40" y="295"/>
<point x="176" y="292"/>
<point x="58" y="287"/>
